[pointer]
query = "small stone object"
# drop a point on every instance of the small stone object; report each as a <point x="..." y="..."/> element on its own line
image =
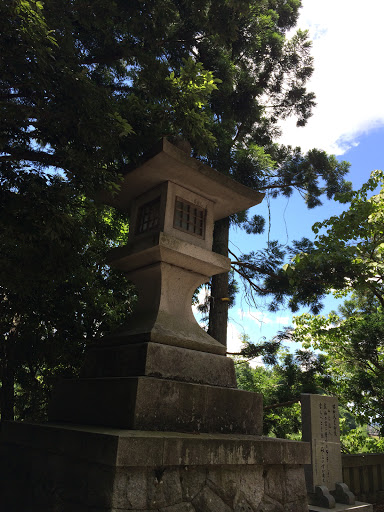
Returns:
<point x="323" y="497"/>
<point x="320" y="426"/>
<point x="343" y="494"/>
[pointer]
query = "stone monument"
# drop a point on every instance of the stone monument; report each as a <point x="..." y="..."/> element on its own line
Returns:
<point x="155" y="422"/>
<point x="324" y="476"/>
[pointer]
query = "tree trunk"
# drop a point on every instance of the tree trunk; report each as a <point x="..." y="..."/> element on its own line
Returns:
<point x="218" y="312"/>
<point x="7" y="394"/>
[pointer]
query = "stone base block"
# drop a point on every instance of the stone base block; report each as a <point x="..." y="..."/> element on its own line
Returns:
<point x="56" y="468"/>
<point x="157" y="360"/>
<point x="357" y="507"/>
<point x="145" y="403"/>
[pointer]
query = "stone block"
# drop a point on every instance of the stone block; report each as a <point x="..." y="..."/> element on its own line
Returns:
<point x="208" y="501"/>
<point x="130" y="448"/>
<point x="164" y="487"/>
<point x="299" y="505"/>
<point x="146" y="403"/>
<point x="231" y="479"/>
<point x="130" y="489"/>
<point x="274" y="483"/>
<point x="241" y="504"/>
<point x="232" y="450"/>
<point x="193" y="480"/>
<point x="295" y="484"/>
<point x="161" y="361"/>
<point x="270" y="504"/>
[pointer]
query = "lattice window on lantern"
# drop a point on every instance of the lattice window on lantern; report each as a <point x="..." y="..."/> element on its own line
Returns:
<point x="148" y="217"/>
<point x="189" y="218"/>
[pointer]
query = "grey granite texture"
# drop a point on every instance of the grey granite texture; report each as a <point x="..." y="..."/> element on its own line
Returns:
<point x="75" y="469"/>
<point x="148" y="403"/>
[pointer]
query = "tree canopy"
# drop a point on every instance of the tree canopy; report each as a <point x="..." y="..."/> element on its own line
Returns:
<point x="348" y="255"/>
<point x="281" y="380"/>
<point x="348" y="258"/>
<point x="88" y="88"/>
<point x="56" y="293"/>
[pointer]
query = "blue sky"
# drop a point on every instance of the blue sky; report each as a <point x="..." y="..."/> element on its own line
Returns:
<point x="348" y="121"/>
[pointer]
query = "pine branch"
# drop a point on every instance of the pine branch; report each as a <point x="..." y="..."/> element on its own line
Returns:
<point x="251" y="266"/>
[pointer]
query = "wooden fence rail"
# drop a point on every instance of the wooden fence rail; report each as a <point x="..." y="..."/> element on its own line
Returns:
<point x="364" y="475"/>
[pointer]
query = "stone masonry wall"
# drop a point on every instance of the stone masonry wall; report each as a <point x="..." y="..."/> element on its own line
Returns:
<point x="201" y="489"/>
<point x="56" y="484"/>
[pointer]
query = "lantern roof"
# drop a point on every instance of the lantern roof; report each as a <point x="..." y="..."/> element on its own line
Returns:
<point x="169" y="163"/>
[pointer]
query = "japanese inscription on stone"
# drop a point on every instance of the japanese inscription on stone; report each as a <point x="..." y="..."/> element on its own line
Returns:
<point x="320" y="420"/>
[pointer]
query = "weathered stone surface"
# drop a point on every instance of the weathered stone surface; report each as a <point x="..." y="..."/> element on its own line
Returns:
<point x="228" y="195"/>
<point x="320" y="422"/>
<point x="241" y="504"/>
<point x="295" y="484"/>
<point x="248" y="479"/>
<point x="232" y="450"/>
<point x="164" y="487"/>
<point x="207" y="501"/>
<point x="226" y="473"/>
<point x="285" y="483"/>
<point x="180" y="507"/>
<point x="123" y="448"/>
<point x="146" y="403"/>
<point x="165" y="288"/>
<point x="130" y="489"/>
<point x="275" y="483"/>
<point x="300" y="505"/>
<point x="269" y="504"/>
<point x="342" y="494"/>
<point x="162" y="361"/>
<point x="193" y="480"/>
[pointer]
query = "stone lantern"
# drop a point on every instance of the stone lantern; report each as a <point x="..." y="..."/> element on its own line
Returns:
<point x="173" y="201"/>
<point x="155" y="422"/>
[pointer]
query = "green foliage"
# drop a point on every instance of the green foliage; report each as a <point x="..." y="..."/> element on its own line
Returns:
<point x="192" y="89"/>
<point x="78" y="81"/>
<point x="355" y="345"/>
<point x="357" y="440"/>
<point x="56" y="295"/>
<point x="88" y="88"/>
<point x="347" y="253"/>
<point x="268" y="272"/>
<point x="347" y="256"/>
<point x="281" y="382"/>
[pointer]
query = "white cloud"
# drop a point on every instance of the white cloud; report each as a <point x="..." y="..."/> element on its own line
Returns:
<point x="347" y="48"/>
<point x="201" y="298"/>
<point x="234" y="343"/>
<point x="263" y="319"/>
<point x="283" y="320"/>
